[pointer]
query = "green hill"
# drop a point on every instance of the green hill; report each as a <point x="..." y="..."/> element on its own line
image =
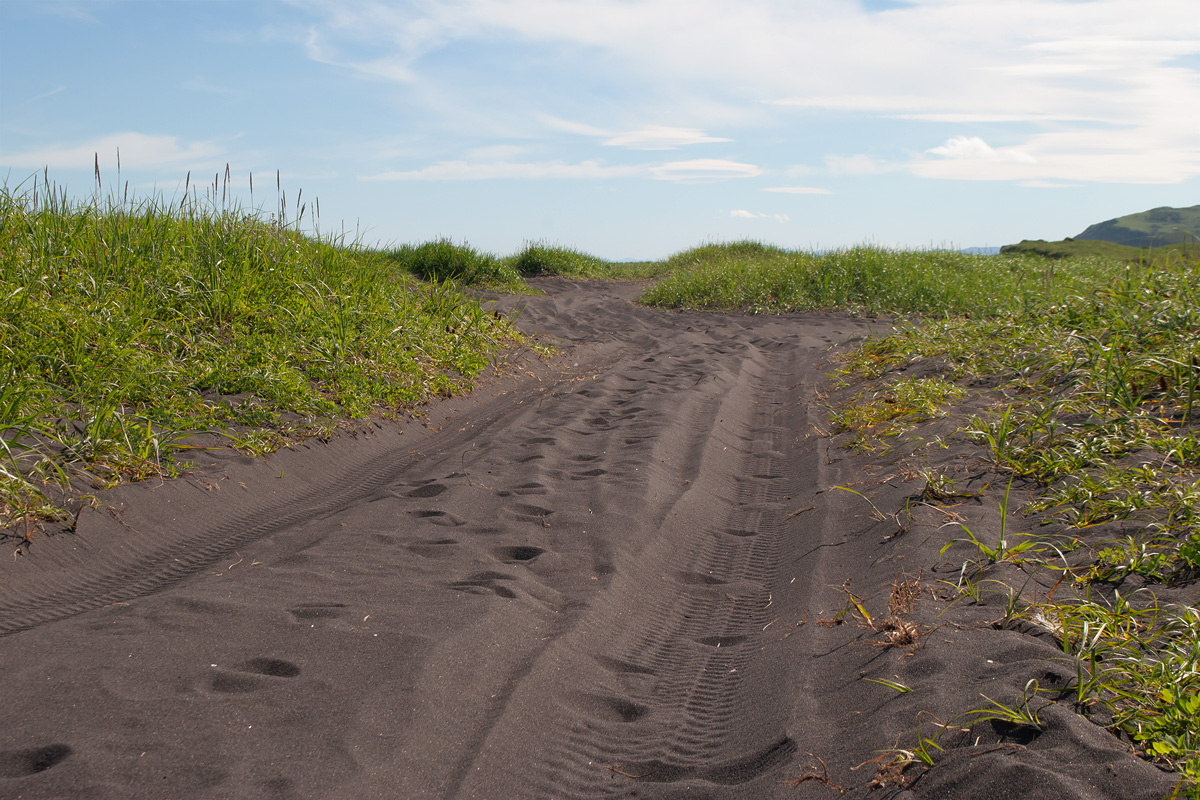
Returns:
<point x="1154" y="228"/>
<point x="1069" y="248"/>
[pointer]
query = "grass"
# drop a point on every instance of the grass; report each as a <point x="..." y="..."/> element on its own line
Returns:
<point x="877" y="415"/>
<point x="1095" y="400"/>
<point x="1089" y="365"/>
<point x="1094" y="248"/>
<point x="443" y="260"/>
<point x="758" y="278"/>
<point x="542" y="258"/>
<point x="126" y="326"/>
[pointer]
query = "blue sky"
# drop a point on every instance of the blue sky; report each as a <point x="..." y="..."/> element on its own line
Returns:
<point x="628" y="128"/>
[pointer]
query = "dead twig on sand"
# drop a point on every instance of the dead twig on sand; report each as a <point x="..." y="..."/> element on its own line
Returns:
<point x="813" y="775"/>
<point x="798" y="512"/>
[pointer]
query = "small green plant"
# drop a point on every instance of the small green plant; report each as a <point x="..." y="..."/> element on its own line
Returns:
<point x="1020" y="714"/>
<point x="899" y="687"/>
<point x="875" y="512"/>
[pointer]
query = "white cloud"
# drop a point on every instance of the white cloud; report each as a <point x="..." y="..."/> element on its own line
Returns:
<point x="495" y="152"/>
<point x="1104" y="75"/>
<point x="651" y="137"/>
<point x="1047" y="185"/>
<point x="570" y="126"/>
<point x="797" y="190"/>
<point x="202" y="84"/>
<point x="43" y="95"/>
<point x="704" y="169"/>
<point x="972" y="148"/>
<point x="138" y="151"/>
<point x="860" y="164"/>
<point x="741" y="213"/>
<point x="660" y="137"/>
<point x="469" y="171"/>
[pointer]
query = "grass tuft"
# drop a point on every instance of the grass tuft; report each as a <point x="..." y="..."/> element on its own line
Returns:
<point x="126" y="325"/>
<point x="760" y="278"/>
<point x="443" y="260"/>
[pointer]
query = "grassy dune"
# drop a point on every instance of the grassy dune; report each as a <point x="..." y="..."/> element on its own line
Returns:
<point x="760" y="278"/>
<point x="125" y="327"/>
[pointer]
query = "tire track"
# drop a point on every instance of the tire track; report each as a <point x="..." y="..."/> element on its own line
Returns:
<point x="669" y="651"/>
<point x="148" y="562"/>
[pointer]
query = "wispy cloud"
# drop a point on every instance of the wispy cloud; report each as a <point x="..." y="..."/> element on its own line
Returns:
<point x="1096" y="90"/>
<point x="138" y="151"/>
<point x="797" y="190"/>
<point x="202" y="84"/>
<point x="661" y="137"/>
<point x="43" y="95"/>
<point x="1047" y="185"/>
<point x="741" y="213"/>
<point x="66" y="9"/>
<point x="701" y="169"/>
<point x="859" y="164"/>
<point x="479" y="171"/>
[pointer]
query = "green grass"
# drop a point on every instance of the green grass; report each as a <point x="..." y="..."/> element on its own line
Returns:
<point x="1075" y="248"/>
<point x="127" y="325"/>
<point x="1090" y="355"/>
<point x="1096" y="401"/>
<point x="893" y="408"/>
<point x="1158" y="226"/>
<point x="443" y="260"/>
<point x="759" y="278"/>
<point x="541" y="258"/>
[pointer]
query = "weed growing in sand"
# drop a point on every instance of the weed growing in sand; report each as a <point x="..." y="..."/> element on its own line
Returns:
<point x="1020" y="714"/>
<point x="1143" y="665"/>
<point x="127" y="324"/>
<point x="874" y="417"/>
<point x="1094" y="403"/>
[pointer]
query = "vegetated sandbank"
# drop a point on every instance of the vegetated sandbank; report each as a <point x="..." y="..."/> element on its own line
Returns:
<point x="628" y="571"/>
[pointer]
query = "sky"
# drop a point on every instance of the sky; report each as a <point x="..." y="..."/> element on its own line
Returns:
<point x="630" y="129"/>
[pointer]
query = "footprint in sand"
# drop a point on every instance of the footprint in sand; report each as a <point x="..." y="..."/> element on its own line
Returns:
<point x="437" y="517"/>
<point x="434" y="548"/>
<point x="608" y="708"/>
<point x="428" y="490"/>
<point x="591" y="473"/>
<point x="525" y="488"/>
<point x="517" y="554"/>
<point x="484" y="582"/>
<point x="251" y="675"/>
<point x="306" y="612"/>
<point x="32" y="760"/>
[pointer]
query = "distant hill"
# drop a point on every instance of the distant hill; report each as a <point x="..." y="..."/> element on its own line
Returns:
<point x="1069" y="248"/>
<point x="1074" y="247"/>
<point x="1157" y="227"/>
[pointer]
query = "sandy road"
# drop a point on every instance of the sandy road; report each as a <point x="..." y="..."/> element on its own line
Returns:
<point x="597" y="580"/>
